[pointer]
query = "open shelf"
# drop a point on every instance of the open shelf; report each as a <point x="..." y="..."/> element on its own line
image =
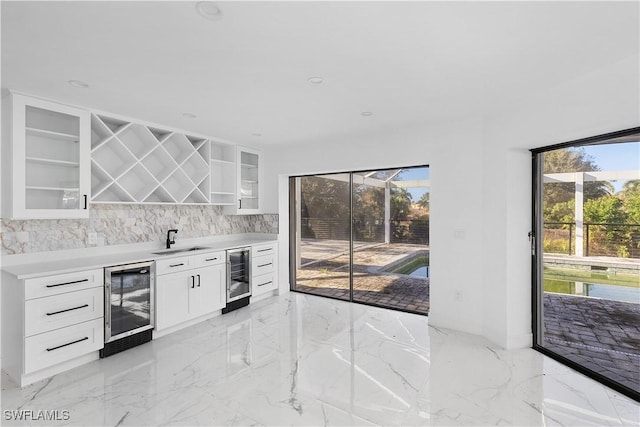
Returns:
<point x="178" y="146"/>
<point x="99" y="179"/>
<point x="196" y="168"/>
<point x="114" y="125"/>
<point x="138" y="139"/>
<point x="99" y="131"/>
<point x="114" y="193"/>
<point x="196" y="196"/>
<point x="223" y="152"/>
<point x="159" y="195"/>
<point x="178" y="185"/>
<point x="159" y="163"/>
<point x="223" y="199"/>
<point x="159" y="134"/>
<point x="113" y="157"/>
<point x="138" y="182"/>
<point x="136" y="163"/>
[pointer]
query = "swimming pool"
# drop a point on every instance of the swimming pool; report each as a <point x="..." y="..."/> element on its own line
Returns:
<point x="415" y="265"/>
<point x="595" y="290"/>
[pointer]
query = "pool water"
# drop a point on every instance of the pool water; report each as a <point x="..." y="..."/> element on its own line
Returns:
<point x="415" y="266"/>
<point x="420" y="271"/>
<point x="596" y="290"/>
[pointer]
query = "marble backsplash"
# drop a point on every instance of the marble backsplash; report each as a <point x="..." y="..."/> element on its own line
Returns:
<point x="111" y="224"/>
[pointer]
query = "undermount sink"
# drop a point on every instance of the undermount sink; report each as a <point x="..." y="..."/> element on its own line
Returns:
<point x="177" y="251"/>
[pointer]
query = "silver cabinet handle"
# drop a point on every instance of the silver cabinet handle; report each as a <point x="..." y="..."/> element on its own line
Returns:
<point x="266" y="283"/>
<point x="264" y="265"/>
<point x="176" y="265"/>
<point x="265" y="250"/>
<point x="211" y="259"/>
<point x="198" y="280"/>
<point x="193" y="282"/>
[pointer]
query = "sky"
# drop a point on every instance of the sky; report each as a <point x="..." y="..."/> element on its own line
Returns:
<point x="416" y="173"/>
<point x="621" y="156"/>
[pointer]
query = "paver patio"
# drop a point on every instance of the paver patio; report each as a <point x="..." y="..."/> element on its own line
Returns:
<point x="324" y="273"/>
<point x="599" y="334"/>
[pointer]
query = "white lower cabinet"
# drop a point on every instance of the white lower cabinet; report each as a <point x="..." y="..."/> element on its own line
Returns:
<point x="50" y="322"/>
<point x="191" y="293"/>
<point x="264" y="269"/>
<point x="60" y="345"/>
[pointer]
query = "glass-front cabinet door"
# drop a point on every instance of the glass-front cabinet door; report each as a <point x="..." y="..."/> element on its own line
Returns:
<point x="249" y="180"/>
<point x="50" y="159"/>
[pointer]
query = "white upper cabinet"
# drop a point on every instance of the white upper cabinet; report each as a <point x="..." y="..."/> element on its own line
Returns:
<point x="136" y="163"/>
<point x="249" y="182"/>
<point x="50" y="160"/>
<point x="223" y="173"/>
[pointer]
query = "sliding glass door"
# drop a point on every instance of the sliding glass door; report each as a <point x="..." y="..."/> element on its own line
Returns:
<point x="363" y="236"/>
<point x="322" y="230"/>
<point x="587" y="261"/>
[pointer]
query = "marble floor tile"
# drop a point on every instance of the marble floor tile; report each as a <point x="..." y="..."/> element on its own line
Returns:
<point x="304" y="360"/>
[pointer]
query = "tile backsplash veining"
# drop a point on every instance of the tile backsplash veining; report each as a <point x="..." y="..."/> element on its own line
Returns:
<point x="112" y="224"/>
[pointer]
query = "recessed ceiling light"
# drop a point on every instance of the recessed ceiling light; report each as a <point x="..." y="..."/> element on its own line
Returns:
<point x="189" y="115"/>
<point x="367" y="113"/>
<point x="256" y="134"/>
<point x="315" y="80"/>
<point x="78" y="83"/>
<point x="209" y="10"/>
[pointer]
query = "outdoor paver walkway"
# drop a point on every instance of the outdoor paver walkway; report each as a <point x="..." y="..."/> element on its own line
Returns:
<point x="330" y="277"/>
<point x="600" y="334"/>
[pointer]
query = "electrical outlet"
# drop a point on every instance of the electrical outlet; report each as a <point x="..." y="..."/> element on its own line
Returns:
<point x="458" y="234"/>
<point x="457" y="295"/>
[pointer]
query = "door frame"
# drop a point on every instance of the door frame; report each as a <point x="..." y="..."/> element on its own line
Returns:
<point x="293" y="219"/>
<point x="537" y="255"/>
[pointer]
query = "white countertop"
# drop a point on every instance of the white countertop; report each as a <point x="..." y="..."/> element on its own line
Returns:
<point x="68" y="261"/>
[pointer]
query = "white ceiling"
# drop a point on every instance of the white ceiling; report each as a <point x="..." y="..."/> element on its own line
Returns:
<point x="407" y="62"/>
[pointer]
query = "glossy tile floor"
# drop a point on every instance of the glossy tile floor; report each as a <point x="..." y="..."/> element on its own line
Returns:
<point x="305" y="360"/>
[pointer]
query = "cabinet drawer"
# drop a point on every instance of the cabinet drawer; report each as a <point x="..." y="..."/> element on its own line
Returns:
<point x="262" y="265"/>
<point x="172" y="265"/>
<point x="262" y="284"/>
<point x="61" y="283"/>
<point x="262" y="250"/>
<point x="58" y="311"/>
<point x="64" y="344"/>
<point x="204" y="260"/>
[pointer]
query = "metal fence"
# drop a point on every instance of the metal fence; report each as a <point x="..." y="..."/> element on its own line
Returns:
<point x="600" y="239"/>
<point x="405" y="231"/>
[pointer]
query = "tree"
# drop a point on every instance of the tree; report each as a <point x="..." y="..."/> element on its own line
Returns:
<point x="424" y="201"/>
<point x="631" y="201"/>
<point x="607" y="210"/>
<point x="400" y="203"/>
<point x="571" y="160"/>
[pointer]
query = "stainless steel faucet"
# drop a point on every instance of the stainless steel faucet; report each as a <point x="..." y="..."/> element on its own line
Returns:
<point x="171" y="241"/>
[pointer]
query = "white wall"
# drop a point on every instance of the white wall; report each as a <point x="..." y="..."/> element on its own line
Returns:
<point x="480" y="191"/>
<point x="598" y="102"/>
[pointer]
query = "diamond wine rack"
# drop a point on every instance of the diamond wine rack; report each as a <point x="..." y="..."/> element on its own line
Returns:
<point x="136" y="163"/>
